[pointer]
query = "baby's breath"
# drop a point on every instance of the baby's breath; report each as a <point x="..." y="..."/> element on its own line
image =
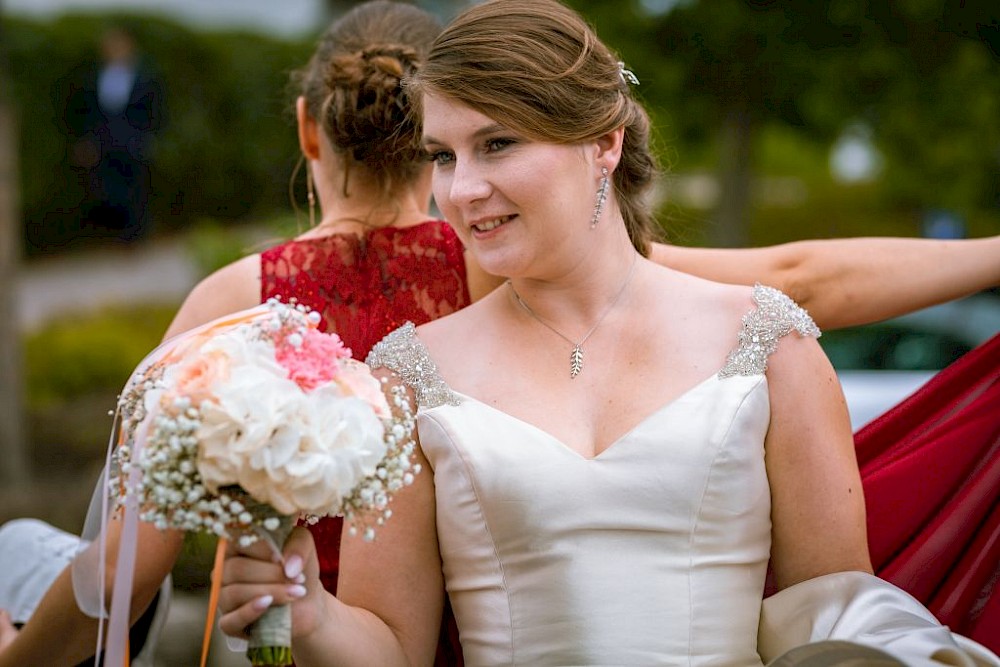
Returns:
<point x="164" y="479"/>
<point x="368" y="505"/>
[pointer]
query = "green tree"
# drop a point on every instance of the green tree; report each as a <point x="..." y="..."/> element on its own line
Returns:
<point x="445" y="9"/>
<point x="723" y="69"/>
<point x="921" y="73"/>
<point x="926" y="77"/>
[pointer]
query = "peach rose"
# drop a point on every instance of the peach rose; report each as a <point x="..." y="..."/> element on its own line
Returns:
<point x="356" y="379"/>
<point x="196" y="378"/>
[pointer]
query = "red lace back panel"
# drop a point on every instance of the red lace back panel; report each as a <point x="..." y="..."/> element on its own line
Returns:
<point x="364" y="288"/>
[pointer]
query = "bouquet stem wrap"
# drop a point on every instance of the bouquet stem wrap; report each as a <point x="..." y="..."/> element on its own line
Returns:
<point x="271" y="636"/>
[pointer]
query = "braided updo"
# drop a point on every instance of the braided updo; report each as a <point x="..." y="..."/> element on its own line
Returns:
<point x="352" y="87"/>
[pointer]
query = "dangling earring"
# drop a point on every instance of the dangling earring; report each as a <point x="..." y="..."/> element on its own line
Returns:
<point x="311" y="195"/>
<point x="602" y="196"/>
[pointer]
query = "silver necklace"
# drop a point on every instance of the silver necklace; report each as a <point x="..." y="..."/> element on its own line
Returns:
<point x="576" y="356"/>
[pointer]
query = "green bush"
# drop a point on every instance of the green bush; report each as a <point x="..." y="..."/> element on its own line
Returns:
<point x="213" y="244"/>
<point x="93" y="353"/>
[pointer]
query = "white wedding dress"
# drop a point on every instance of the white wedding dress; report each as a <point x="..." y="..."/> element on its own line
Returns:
<point x="655" y="551"/>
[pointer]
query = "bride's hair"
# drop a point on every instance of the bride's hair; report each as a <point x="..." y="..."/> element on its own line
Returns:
<point x="536" y="67"/>
<point x="352" y="86"/>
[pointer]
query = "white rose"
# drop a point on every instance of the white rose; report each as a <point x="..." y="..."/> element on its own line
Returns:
<point x="244" y="350"/>
<point x="336" y="442"/>
<point x="345" y="447"/>
<point x="298" y="452"/>
<point x="250" y="408"/>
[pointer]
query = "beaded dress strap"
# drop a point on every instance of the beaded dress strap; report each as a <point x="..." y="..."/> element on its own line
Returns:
<point x="774" y="316"/>
<point x="403" y="353"/>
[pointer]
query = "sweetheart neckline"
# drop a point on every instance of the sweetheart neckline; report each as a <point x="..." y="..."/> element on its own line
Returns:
<point x="670" y="403"/>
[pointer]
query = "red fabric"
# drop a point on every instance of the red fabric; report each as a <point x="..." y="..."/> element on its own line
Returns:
<point x="931" y="474"/>
<point x="364" y="288"/>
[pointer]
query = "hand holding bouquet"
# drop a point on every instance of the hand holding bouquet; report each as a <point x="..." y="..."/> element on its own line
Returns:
<point x="243" y="427"/>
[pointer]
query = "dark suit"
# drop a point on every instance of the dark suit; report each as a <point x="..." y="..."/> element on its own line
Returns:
<point x="112" y="148"/>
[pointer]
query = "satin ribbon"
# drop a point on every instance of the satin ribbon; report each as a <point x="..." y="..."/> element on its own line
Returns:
<point x="118" y="622"/>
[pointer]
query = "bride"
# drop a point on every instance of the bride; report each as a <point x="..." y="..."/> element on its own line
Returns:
<point x="613" y="451"/>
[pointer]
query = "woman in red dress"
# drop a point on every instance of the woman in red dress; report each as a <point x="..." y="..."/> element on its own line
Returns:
<point x="377" y="258"/>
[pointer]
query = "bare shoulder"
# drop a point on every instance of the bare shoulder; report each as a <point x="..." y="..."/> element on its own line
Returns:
<point x="735" y="328"/>
<point x="683" y="289"/>
<point x="452" y="340"/>
<point x="696" y="317"/>
<point x="463" y="323"/>
<point x="234" y="287"/>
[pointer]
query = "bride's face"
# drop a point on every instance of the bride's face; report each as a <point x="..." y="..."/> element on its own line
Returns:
<point x="519" y="204"/>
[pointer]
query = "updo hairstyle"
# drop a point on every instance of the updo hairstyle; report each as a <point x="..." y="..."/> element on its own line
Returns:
<point x="536" y="67"/>
<point x="352" y="88"/>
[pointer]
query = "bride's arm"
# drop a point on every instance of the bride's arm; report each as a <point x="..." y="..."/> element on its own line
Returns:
<point x="847" y="282"/>
<point x="389" y="594"/>
<point x="817" y="502"/>
<point x="819" y="551"/>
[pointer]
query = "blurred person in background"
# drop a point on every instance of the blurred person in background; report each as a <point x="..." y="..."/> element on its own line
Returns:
<point x="375" y="257"/>
<point x="112" y="116"/>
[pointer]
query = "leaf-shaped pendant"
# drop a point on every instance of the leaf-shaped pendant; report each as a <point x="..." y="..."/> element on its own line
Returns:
<point x="575" y="361"/>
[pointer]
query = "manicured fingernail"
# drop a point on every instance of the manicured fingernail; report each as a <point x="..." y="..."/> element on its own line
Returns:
<point x="263" y="602"/>
<point x="293" y="567"/>
<point x="296" y="591"/>
<point x="301" y="579"/>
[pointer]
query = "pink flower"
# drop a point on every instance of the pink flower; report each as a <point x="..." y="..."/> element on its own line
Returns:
<point x="356" y="379"/>
<point x="315" y="361"/>
<point x="195" y="378"/>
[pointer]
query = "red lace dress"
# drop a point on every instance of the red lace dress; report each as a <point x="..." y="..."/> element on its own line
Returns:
<point x="365" y="287"/>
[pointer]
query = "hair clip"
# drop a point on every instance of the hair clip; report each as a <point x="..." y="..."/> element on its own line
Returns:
<point x="627" y="75"/>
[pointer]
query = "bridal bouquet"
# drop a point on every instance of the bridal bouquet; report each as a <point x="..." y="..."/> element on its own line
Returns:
<point x="244" y="427"/>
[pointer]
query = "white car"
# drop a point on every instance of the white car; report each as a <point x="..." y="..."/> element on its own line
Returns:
<point x="871" y="393"/>
<point x="881" y="364"/>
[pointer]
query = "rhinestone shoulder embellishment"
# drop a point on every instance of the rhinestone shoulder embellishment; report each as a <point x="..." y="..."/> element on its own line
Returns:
<point x="774" y="316"/>
<point x="403" y="353"/>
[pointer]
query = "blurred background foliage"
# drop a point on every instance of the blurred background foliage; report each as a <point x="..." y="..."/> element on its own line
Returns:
<point x="750" y="100"/>
<point x="227" y="145"/>
<point x="754" y="90"/>
<point x="753" y="101"/>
